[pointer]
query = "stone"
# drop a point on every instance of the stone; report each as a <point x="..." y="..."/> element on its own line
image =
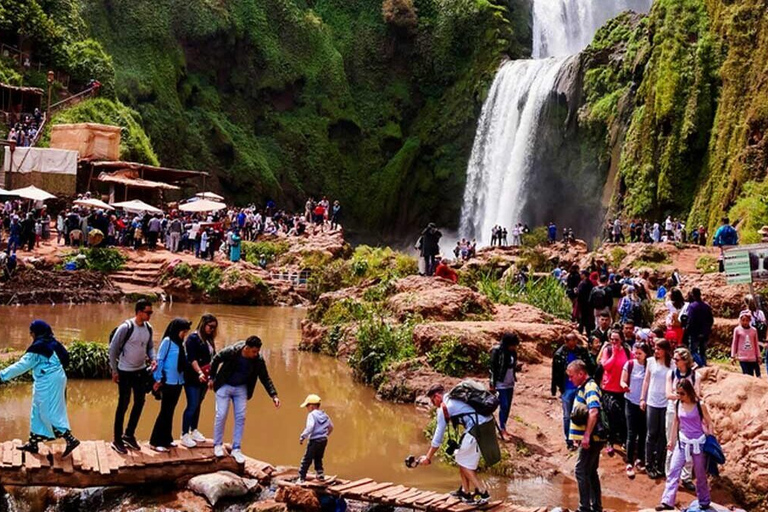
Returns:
<point x="436" y="299"/>
<point x="267" y="506"/>
<point x="258" y="470"/>
<point x="296" y="497"/>
<point x="222" y="484"/>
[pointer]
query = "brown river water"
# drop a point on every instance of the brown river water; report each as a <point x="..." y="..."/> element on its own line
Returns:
<point x="371" y="439"/>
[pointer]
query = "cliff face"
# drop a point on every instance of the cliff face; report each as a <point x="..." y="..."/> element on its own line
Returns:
<point x="680" y="98"/>
<point x="374" y="103"/>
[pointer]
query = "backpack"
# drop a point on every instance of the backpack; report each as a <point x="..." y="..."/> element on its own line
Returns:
<point x="597" y="297"/>
<point x="476" y="396"/>
<point x="729" y="236"/>
<point x="127" y="336"/>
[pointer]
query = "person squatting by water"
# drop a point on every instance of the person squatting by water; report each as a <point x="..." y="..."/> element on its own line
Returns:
<point x="504" y="368"/>
<point x="169" y="381"/>
<point x="200" y="347"/>
<point x="467" y="455"/>
<point x="319" y="426"/>
<point x="130" y="348"/>
<point x="46" y="358"/>
<point x="234" y="372"/>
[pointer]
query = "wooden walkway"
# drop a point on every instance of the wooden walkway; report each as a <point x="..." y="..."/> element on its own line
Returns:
<point x="387" y="493"/>
<point x="95" y="464"/>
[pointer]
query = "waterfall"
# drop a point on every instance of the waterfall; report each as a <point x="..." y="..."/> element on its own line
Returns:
<point x="505" y="141"/>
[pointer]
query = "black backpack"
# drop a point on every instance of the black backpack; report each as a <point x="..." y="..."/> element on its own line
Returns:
<point x="476" y="396"/>
<point x="597" y="298"/>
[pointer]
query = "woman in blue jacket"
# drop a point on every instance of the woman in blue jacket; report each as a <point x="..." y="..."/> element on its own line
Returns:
<point x="169" y="377"/>
<point x="45" y="358"/>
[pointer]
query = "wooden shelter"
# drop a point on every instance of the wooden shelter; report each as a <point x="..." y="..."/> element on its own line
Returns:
<point x="15" y="100"/>
<point x="133" y="175"/>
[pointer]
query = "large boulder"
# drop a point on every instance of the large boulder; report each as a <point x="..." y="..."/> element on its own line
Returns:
<point x="405" y="381"/>
<point x="436" y="299"/>
<point x="737" y="404"/>
<point x="298" y="498"/>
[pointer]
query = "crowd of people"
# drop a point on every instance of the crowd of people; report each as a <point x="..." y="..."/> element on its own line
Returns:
<point x="186" y="360"/>
<point x="670" y="230"/>
<point x="25" y="131"/>
<point x="204" y="234"/>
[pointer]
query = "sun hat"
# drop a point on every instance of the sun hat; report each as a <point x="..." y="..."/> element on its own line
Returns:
<point x="311" y="400"/>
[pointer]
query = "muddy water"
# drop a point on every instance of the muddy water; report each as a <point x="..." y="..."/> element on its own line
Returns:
<point x="371" y="438"/>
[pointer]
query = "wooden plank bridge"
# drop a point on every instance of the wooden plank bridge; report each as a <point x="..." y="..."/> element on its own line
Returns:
<point x="95" y="464"/>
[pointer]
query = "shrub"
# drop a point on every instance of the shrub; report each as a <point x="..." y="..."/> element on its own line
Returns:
<point x="456" y="359"/>
<point x="535" y="260"/>
<point x="104" y="259"/>
<point x="538" y="236"/>
<point x="182" y="271"/>
<point x="617" y="256"/>
<point x="653" y="254"/>
<point x="707" y="264"/>
<point x="252" y="251"/>
<point x="88" y="360"/>
<point x="87" y="60"/>
<point x="207" y="278"/>
<point x="380" y="343"/>
<point x="544" y="293"/>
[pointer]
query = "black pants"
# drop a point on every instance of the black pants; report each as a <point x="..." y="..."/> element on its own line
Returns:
<point x="315" y="452"/>
<point x="130" y="382"/>
<point x="162" y="433"/>
<point x="152" y="239"/>
<point x="636" y="432"/>
<point x="590" y="499"/>
<point x="430" y="263"/>
<point x="614" y="408"/>
<point x="656" y="441"/>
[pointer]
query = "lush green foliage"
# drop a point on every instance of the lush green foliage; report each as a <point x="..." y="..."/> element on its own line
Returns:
<point x="207" y="278"/>
<point x="455" y="359"/>
<point x="88" y="360"/>
<point x="252" y="251"/>
<point x="380" y="342"/>
<point x="545" y="293"/>
<point x="707" y="264"/>
<point x="182" y="271"/>
<point x="751" y="211"/>
<point x="104" y="259"/>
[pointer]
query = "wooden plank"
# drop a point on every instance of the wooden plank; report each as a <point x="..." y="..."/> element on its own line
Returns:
<point x="116" y="460"/>
<point x="433" y="499"/>
<point x="56" y="457"/>
<point x="462" y="507"/>
<point x="77" y="457"/>
<point x="365" y="489"/>
<point x="410" y="493"/>
<point x="2" y="452"/>
<point x="17" y="454"/>
<point x="383" y="493"/>
<point x="420" y="496"/>
<point x="101" y="456"/>
<point x="184" y="454"/>
<point x="7" y="453"/>
<point x="44" y="451"/>
<point x="350" y="485"/>
<point x="448" y="503"/>
<point x="151" y="457"/>
<point x="90" y="458"/>
<point x="68" y="466"/>
<point x="493" y="504"/>
<point x="31" y="461"/>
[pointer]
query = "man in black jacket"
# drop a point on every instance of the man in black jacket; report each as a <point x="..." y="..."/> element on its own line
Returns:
<point x="430" y="240"/>
<point x="504" y="365"/>
<point x="567" y="353"/>
<point x="234" y="372"/>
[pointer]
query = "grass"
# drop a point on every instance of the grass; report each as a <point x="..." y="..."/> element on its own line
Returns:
<point x="381" y="342"/>
<point x="252" y="251"/>
<point x="707" y="264"/>
<point x="103" y="259"/>
<point x="453" y="358"/>
<point x="545" y="293"/>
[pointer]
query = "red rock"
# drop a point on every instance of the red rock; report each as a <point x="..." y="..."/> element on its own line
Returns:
<point x="298" y="498"/>
<point x="267" y="506"/>
<point x="436" y="299"/>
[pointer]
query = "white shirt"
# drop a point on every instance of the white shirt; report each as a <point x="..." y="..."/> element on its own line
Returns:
<point x="657" y="385"/>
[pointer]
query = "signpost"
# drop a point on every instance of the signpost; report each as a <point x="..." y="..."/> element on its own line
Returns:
<point x="737" y="268"/>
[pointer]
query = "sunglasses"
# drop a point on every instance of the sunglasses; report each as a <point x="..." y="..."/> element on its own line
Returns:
<point x="148" y="313"/>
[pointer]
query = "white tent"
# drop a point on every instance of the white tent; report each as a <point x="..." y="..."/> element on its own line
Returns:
<point x="137" y="206"/>
<point x="31" y="192"/>
<point x="210" y="195"/>
<point x="203" y="205"/>
<point x="93" y="203"/>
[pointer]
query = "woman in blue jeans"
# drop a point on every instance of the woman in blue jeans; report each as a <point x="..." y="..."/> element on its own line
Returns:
<point x="504" y="375"/>
<point x="200" y="348"/>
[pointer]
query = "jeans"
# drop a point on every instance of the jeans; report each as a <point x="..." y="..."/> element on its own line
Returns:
<point x="656" y="440"/>
<point x="13" y="244"/>
<point x="636" y="431"/>
<point x="699" y="462"/>
<point x="130" y="382"/>
<point x="568" y="396"/>
<point x="750" y="368"/>
<point x="699" y="349"/>
<point x="197" y="248"/>
<point x="587" y="478"/>
<point x="162" y="433"/>
<point x="195" y="394"/>
<point x="315" y="452"/>
<point x="614" y="408"/>
<point x="239" y="397"/>
<point x="431" y="264"/>
<point x="505" y="404"/>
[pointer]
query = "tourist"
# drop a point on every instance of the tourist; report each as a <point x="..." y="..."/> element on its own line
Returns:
<point x="169" y="381"/>
<point x="336" y="215"/>
<point x="46" y="358"/>
<point x="551" y="233"/>
<point x="684" y="369"/>
<point x="430" y="247"/>
<point x="504" y="363"/>
<point x="585" y="311"/>
<point x="745" y="348"/>
<point x="632" y="379"/>
<point x="571" y="290"/>
<point x="14" y="235"/>
<point x="204" y="243"/>
<point x="726" y="235"/>
<point x="585" y="429"/>
<point x="613" y="358"/>
<point x="758" y="317"/>
<point x="654" y="402"/>
<point x="517" y="234"/>
<point x="692" y="423"/>
<point x="200" y="347"/>
<point x="154" y="227"/>
<point x="174" y="229"/>
<point x="130" y="347"/>
<point x="235" y="246"/>
<point x="233" y="376"/>
<point x="600" y="298"/>
<point x="28" y="231"/>
<point x="675" y="306"/>
<point x="319" y="426"/>
<point x="444" y="270"/>
<point x="699" y="326"/>
<point x="570" y="351"/>
<point x="467" y="455"/>
<point x="603" y="329"/>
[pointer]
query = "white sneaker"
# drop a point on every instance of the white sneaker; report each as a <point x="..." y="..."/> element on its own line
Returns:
<point x="186" y="440"/>
<point x="218" y="451"/>
<point x="161" y="449"/>
<point x="197" y="436"/>
<point x="238" y="456"/>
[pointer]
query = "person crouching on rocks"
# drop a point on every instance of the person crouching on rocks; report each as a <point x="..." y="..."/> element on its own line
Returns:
<point x="467" y="455"/>
<point x="319" y="427"/>
<point x="46" y="359"/>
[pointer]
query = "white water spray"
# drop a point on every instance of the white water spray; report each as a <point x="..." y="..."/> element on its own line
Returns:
<point x="505" y="139"/>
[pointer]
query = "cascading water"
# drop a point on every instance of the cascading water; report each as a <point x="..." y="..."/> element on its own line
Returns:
<point x="505" y="142"/>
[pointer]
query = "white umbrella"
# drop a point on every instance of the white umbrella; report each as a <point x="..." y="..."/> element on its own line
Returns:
<point x="32" y="192"/>
<point x="137" y="206"/>
<point x="210" y="195"/>
<point x="93" y="203"/>
<point x="203" y="205"/>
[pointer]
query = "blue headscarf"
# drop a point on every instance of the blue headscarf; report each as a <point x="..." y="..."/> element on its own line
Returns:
<point x="45" y="343"/>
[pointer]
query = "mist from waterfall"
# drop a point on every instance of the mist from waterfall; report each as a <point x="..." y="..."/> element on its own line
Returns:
<point x="505" y="141"/>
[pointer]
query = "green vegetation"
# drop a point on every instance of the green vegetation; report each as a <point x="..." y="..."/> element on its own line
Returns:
<point x="456" y="359"/>
<point x="103" y="259"/>
<point x="617" y="256"/>
<point x="207" y="278"/>
<point x="381" y="342"/>
<point x="707" y="264"/>
<point x="537" y="237"/>
<point x="252" y="251"/>
<point x="88" y="360"/>
<point x="544" y="293"/>
<point x="182" y="271"/>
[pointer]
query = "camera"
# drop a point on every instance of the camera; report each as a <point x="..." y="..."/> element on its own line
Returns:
<point x="411" y="461"/>
<point x="451" y="447"/>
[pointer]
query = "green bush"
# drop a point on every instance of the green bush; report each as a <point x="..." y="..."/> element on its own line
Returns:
<point x="182" y="271"/>
<point x="252" y="251"/>
<point x="381" y="342"/>
<point x="88" y="360"/>
<point x="545" y="293"/>
<point x="207" y="278"/>
<point x="617" y="256"/>
<point x="707" y="264"/>
<point x="103" y="259"/>
<point x="88" y="60"/>
<point x="538" y="236"/>
<point x="455" y="359"/>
